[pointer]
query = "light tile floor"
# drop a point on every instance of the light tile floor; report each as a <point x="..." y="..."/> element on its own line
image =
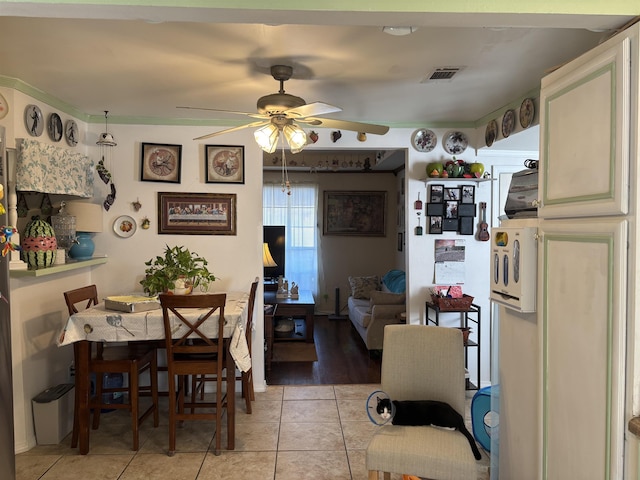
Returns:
<point x="295" y="432"/>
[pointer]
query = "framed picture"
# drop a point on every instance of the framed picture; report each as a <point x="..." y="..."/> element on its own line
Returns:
<point x="354" y="213"/>
<point x="160" y="162"/>
<point x="451" y="209"/>
<point x="450" y="225"/>
<point x="435" y="224"/>
<point x="468" y="194"/>
<point x="435" y="209"/>
<point x="466" y="225"/>
<point x="436" y="194"/>
<point x="466" y="210"/>
<point x="224" y="163"/>
<point x="451" y="193"/>
<point x="196" y="213"/>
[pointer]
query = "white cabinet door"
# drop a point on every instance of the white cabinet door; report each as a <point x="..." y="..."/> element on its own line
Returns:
<point x="584" y="137"/>
<point x="582" y="305"/>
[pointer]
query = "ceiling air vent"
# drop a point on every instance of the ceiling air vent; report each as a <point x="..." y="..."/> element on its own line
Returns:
<point x="441" y="74"/>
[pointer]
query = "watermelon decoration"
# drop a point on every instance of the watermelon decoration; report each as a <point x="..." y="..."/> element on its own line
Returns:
<point x="39" y="244"/>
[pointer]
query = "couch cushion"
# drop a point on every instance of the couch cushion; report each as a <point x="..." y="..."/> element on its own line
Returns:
<point x="359" y="312"/>
<point x="395" y="281"/>
<point x="386" y="298"/>
<point x="362" y="286"/>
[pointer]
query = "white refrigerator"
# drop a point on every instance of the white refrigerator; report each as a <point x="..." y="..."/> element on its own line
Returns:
<point x="568" y="372"/>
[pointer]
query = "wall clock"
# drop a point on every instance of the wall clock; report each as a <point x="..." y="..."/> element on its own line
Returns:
<point x="33" y="120"/>
<point x="424" y="140"/>
<point x="71" y="133"/>
<point x="455" y="143"/>
<point x="4" y="107"/>
<point x="54" y="127"/>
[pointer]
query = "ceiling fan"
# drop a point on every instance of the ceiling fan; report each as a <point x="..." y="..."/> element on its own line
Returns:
<point x="279" y="111"/>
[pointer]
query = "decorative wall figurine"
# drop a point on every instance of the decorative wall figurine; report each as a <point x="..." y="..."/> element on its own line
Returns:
<point x="335" y="136"/>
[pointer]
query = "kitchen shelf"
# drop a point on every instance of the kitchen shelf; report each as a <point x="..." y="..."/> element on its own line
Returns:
<point x="41" y="272"/>
<point x="466" y="317"/>
<point x="455" y="179"/>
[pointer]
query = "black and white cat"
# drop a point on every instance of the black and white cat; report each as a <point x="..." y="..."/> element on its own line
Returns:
<point x="426" y="412"/>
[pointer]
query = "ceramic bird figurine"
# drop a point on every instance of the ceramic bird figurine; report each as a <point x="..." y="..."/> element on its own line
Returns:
<point x="6" y="231"/>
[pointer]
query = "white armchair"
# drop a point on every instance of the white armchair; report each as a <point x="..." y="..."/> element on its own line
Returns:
<point x="422" y="363"/>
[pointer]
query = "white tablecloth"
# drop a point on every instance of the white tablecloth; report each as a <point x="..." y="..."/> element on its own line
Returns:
<point x="98" y="324"/>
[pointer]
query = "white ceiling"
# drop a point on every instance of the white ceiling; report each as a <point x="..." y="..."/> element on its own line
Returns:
<point x="140" y="68"/>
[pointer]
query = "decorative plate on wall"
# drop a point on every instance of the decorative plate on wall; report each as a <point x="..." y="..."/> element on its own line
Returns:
<point x="424" y="140"/>
<point x="508" y="122"/>
<point x="124" y="226"/>
<point x="71" y="133"/>
<point x="455" y="143"/>
<point x="33" y="120"/>
<point x="54" y="127"/>
<point x="527" y="111"/>
<point x="491" y="133"/>
<point x="4" y="107"/>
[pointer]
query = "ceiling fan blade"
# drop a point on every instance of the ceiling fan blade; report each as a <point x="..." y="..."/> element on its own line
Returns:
<point x="315" y="108"/>
<point x="253" y="115"/>
<point x="233" y="129"/>
<point x="347" y="125"/>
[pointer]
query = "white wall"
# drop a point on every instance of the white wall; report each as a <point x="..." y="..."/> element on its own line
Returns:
<point x="38" y="305"/>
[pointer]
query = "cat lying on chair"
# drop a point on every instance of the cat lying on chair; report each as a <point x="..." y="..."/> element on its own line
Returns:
<point x="425" y="412"/>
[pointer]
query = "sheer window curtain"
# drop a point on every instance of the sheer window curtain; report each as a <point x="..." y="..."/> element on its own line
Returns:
<point x="298" y="212"/>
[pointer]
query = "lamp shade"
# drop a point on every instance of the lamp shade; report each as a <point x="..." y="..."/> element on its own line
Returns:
<point x="88" y="221"/>
<point x="88" y="216"/>
<point x="296" y="138"/>
<point x="267" y="137"/>
<point x="267" y="258"/>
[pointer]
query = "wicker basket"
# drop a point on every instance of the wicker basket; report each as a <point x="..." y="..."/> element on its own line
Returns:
<point x="446" y="304"/>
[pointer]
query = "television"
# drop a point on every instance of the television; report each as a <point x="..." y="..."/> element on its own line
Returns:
<point x="274" y="236"/>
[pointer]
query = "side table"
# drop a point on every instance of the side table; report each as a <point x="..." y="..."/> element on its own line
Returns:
<point x="472" y="315"/>
<point x="269" y="313"/>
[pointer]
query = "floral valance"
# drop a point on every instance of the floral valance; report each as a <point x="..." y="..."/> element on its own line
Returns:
<point x="50" y="169"/>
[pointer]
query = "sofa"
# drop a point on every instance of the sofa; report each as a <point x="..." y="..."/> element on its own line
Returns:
<point x="374" y="303"/>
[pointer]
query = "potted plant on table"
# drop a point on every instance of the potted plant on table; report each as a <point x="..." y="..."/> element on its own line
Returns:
<point x="179" y="270"/>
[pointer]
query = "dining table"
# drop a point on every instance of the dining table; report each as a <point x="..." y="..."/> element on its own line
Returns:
<point x="99" y="324"/>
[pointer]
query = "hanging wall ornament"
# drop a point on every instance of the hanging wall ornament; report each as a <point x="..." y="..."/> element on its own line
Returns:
<point x="335" y="136"/>
<point x="22" y="207"/>
<point x="313" y="136"/>
<point x="136" y="205"/>
<point x="46" y="208"/>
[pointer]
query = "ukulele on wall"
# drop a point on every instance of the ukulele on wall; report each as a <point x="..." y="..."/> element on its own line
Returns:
<point x="483" y="228"/>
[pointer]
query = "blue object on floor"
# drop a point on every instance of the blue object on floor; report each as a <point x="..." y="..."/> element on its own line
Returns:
<point x="483" y="420"/>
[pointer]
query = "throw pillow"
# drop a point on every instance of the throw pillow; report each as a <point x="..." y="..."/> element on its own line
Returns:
<point x="394" y="280"/>
<point x="362" y="286"/>
<point x="386" y="298"/>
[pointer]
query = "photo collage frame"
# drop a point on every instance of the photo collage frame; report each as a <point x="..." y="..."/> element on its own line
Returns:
<point x="451" y="209"/>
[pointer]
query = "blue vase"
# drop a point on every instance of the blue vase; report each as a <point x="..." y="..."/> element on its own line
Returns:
<point x="83" y="250"/>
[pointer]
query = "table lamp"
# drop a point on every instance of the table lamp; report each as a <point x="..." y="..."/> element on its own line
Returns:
<point x="88" y="221"/>
<point x="267" y="258"/>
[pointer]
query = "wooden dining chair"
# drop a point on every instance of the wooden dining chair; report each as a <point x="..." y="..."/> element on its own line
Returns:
<point x="133" y="360"/>
<point x="248" y="393"/>
<point x="195" y="346"/>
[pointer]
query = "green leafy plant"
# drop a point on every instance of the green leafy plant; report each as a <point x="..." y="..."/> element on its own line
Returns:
<point x="178" y="262"/>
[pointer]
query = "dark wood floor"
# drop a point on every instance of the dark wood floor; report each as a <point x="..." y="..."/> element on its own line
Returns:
<point x="342" y="359"/>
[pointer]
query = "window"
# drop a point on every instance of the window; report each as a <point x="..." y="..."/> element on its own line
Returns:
<point x="298" y="212"/>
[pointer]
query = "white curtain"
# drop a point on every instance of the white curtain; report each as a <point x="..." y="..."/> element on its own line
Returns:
<point x="298" y="212"/>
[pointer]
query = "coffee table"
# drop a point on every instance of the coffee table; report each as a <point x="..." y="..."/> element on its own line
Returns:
<point x="288" y="307"/>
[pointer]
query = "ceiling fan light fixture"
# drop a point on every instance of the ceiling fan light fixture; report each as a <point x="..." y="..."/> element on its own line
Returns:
<point x="295" y="136"/>
<point x="399" y="31"/>
<point x="267" y="137"/>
